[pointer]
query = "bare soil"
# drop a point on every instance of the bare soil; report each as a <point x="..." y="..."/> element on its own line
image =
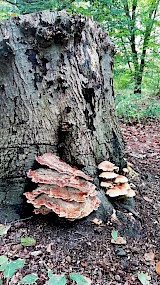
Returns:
<point x="84" y="247"/>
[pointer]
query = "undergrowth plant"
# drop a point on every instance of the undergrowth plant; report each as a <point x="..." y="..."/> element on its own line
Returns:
<point x="9" y="268"/>
<point x="139" y="108"/>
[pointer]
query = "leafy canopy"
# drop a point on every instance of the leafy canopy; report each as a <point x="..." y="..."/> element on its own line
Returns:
<point x="132" y="24"/>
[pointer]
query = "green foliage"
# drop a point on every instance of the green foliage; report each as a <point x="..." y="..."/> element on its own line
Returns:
<point x="136" y="107"/>
<point x="3" y="259"/>
<point x="61" y="279"/>
<point x="144" y="278"/>
<point x="114" y="234"/>
<point x="4" y="229"/>
<point x="30" y="6"/>
<point x="55" y="279"/>
<point x="28" y="241"/>
<point x="7" y="10"/>
<point x="10" y="267"/>
<point x="80" y="279"/>
<point x="122" y="78"/>
<point x="3" y="262"/>
<point x="29" y="279"/>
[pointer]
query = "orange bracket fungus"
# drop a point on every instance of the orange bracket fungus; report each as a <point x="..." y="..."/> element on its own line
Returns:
<point x="61" y="189"/>
<point x="115" y="185"/>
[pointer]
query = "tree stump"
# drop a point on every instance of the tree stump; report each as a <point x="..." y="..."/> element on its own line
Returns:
<point x="56" y="88"/>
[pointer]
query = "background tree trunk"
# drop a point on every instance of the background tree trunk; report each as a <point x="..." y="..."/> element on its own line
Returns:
<point x="56" y="91"/>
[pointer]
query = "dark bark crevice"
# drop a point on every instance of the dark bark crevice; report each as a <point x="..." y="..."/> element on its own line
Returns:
<point x="6" y="50"/>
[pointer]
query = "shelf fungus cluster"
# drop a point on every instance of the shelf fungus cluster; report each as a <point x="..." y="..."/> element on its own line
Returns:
<point x="116" y="185"/>
<point x="62" y="189"/>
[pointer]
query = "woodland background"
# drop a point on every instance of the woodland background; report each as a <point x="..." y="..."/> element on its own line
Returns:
<point x="44" y="246"/>
<point x="134" y="28"/>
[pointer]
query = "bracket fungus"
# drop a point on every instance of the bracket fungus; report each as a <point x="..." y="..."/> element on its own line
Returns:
<point x="54" y="162"/>
<point x="61" y="189"/>
<point x="116" y="185"/>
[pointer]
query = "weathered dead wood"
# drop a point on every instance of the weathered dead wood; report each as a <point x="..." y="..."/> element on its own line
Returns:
<point x="56" y="91"/>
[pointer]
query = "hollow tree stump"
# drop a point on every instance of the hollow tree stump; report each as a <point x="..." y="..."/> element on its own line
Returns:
<point x="56" y="94"/>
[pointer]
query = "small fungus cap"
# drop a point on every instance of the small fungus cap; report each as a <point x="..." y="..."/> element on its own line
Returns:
<point x="124" y="186"/>
<point x="106" y="184"/>
<point x="125" y="170"/>
<point x="130" y="193"/>
<point x="107" y="166"/>
<point x="108" y="175"/>
<point x="115" y="192"/>
<point x="120" y="179"/>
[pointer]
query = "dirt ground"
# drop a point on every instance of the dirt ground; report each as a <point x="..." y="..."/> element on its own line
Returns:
<point x="84" y="247"/>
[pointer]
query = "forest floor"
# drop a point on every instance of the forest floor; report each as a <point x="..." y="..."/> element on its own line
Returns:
<point x="84" y="247"/>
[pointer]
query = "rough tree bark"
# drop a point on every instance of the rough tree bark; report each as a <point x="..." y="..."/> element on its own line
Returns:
<point x="56" y="94"/>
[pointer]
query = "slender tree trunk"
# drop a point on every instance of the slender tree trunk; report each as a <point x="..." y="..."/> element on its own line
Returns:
<point x="139" y="66"/>
<point x="138" y="82"/>
<point x="56" y="95"/>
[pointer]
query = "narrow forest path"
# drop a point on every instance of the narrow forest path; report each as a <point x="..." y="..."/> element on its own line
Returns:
<point x="85" y="247"/>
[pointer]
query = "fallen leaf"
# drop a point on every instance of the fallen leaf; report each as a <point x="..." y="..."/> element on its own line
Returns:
<point x="144" y="278"/>
<point x="88" y="280"/>
<point x="28" y="241"/>
<point x="14" y="14"/>
<point x="49" y="247"/>
<point x="158" y="267"/>
<point x="36" y="253"/>
<point x="147" y="199"/>
<point x="14" y="279"/>
<point x="17" y="247"/>
<point x="149" y="256"/>
<point x="69" y="259"/>
<point x="4" y="229"/>
<point x="97" y="221"/>
<point x="119" y="240"/>
<point x="114" y="217"/>
<point x="84" y="263"/>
